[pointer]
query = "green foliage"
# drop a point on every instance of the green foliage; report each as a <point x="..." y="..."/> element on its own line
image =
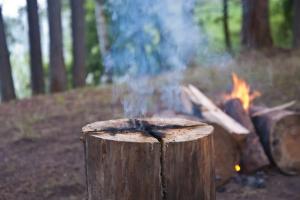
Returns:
<point x="93" y="56"/>
<point x="281" y="22"/>
<point x="235" y="22"/>
<point x="67" y="40"/>
<point x="94" y="60"/>
<point x="209" y="16"/>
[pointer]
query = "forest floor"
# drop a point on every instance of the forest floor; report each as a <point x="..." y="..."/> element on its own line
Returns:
<point x="41" y="155"/>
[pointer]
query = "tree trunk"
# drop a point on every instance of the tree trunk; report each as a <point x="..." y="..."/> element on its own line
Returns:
<point x="101" y="27"/>
<point x="37" y="74"/>
<point x="58" y="76"/>
<point x="256" y="32"/>
<point x="78" y="38"/>
<point x="149" y="159"/>
<point x="296" y="22"/>
<point x="102" y="31"/>
<point x="226" y="26"/>
<point x="279" y="132"/>
<point x="6" y="80"/>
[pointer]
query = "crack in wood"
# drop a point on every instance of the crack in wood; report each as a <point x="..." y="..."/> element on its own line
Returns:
<point x="162" y="170"/>
<point x="153" y="130"/>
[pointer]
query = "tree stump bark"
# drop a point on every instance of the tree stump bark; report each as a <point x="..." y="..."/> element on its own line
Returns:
<point x="279" y="132"/>
<point x="149" y="159"/>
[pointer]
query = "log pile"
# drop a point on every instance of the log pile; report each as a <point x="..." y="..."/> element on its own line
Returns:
<point x="253" y="139"/>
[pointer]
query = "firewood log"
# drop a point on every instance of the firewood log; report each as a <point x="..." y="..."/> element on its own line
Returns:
<point x="196" y="103"/>
<point x="149" y="159"/>
<point x="253" y="155"/>
<point x="206" y="109"/>
<point x="279" y="132"/>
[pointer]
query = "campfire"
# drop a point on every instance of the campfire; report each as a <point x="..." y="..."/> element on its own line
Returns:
<point x="247" y="137"/>
<point x="241" y="90"/>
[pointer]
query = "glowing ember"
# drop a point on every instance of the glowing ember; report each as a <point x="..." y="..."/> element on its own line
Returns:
<point x="237" y="168"/>
<point x="241" y="90"/>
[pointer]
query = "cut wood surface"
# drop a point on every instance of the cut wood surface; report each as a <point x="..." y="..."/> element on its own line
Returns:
<point x="253" y="155"/>
<point x="150" y="158"/>
<point x="280" y="134"/>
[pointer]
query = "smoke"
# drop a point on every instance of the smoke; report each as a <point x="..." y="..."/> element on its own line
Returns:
<point x="151" y="39"/>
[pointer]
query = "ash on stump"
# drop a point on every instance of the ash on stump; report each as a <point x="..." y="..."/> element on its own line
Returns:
<point x="149" y="159"/>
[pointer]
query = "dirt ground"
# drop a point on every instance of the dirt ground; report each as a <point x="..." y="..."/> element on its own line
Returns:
<point x="41" y="155"/>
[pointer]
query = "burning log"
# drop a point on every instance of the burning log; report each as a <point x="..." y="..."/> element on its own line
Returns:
<point x="279" y="132"/>
<point x="237" y="106"/>
<point x="149" y="159"/>
<point x="253" y="156"/>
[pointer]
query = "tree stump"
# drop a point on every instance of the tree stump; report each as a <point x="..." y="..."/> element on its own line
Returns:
<point x="149" y="159"/>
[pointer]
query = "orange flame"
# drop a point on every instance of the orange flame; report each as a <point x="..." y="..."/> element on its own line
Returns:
<point x="241" y="90"/>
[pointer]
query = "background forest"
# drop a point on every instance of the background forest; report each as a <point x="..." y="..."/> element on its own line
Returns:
<point x="221" y="25"/>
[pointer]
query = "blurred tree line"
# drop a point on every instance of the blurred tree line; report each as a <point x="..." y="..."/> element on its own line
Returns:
<point x="230" y="25"/>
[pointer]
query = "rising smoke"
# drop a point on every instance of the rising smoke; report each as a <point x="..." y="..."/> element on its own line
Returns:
<point x="150" y="39"/>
